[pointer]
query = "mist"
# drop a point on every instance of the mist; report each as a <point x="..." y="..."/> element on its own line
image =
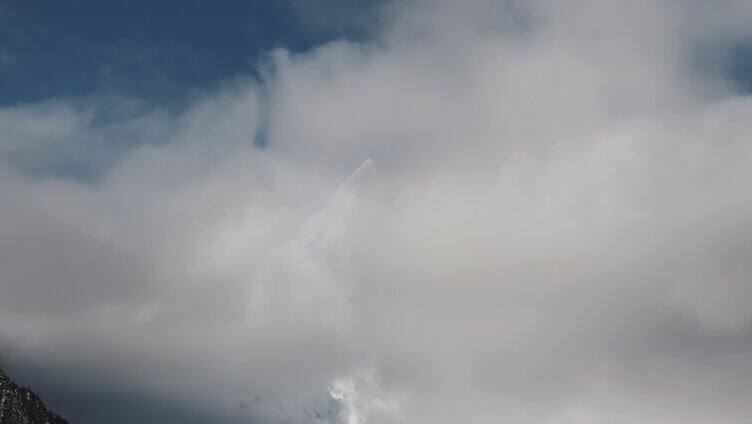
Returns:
<point x="510" y="211"/>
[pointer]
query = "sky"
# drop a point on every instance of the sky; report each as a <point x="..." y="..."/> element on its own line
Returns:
<point x="361" y="212"/>
<point x="158" y="51"/>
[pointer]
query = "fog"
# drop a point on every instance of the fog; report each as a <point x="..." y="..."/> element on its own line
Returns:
<point x="528" y="212"/>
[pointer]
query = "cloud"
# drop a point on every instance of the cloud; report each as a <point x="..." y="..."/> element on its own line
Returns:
<point x="556" y="230"/>
<point x="362" y="400"/>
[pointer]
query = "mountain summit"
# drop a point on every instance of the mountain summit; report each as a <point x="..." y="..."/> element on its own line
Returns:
<point x="19" y="405"/>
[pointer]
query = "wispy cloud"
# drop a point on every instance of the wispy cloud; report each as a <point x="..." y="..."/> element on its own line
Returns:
<point x="558" y="231"/>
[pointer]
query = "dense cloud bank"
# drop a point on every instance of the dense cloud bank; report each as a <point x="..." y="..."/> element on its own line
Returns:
<point x="552" y="223"/>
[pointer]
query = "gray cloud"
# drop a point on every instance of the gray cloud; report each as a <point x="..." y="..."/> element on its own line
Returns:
<point x="556" y="230"/>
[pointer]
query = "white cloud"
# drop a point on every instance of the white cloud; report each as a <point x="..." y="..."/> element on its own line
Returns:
<point x="558" y="230"/>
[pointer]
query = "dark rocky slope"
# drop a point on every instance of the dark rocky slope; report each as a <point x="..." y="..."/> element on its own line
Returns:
<point x="18" y="405"/>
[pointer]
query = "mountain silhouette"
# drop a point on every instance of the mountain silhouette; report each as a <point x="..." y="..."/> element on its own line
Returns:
<point x="19" y="405"/>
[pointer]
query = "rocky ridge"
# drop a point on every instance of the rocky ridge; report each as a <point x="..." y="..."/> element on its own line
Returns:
<point x="19" y="405"/>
